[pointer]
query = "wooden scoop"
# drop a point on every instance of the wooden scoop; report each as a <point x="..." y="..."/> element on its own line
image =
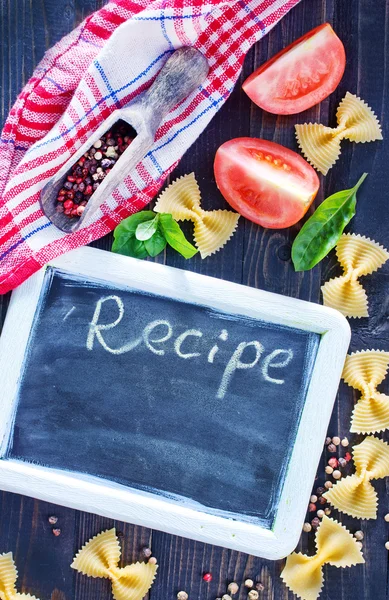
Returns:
<point x="182" y="73"/>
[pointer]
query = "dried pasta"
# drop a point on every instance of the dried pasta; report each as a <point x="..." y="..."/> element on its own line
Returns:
<point x="355" y="495"/>
<point x="358" y="256"/>
<point x="212" y="229"/>
<point x="335" y="546"/>
<point x="321" y="145"/>
<point x="100" y="558"/>
<point x="364" y="371"/>
<point x="8" y="578"/>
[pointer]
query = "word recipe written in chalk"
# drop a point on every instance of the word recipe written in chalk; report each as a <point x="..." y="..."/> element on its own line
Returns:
<point x="161" y="395"/>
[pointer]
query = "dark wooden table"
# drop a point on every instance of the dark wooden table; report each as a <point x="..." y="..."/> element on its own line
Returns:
<point x="255" y="257"/>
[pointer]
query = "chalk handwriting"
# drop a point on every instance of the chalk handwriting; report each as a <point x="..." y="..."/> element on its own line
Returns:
<point x="186" y="346"/>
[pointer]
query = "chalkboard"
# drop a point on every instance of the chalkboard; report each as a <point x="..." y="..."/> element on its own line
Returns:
<point x="167" y="398"/>
<point x="152" y="392"/>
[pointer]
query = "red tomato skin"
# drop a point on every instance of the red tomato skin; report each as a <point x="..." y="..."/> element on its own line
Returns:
<point x="252" y="85"/>
<point x="277" y="204"/>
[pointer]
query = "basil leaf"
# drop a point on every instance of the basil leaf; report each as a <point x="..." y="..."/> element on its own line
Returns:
<point x="323" y="229"/>
<point x="128" y="226"/>
<point x="156" y="243"/>
<point x="175" y="237"/>
<point x="130" y="247"/>
<point x="145" y="230"/>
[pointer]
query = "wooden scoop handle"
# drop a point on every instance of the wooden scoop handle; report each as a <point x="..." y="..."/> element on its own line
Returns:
<point x="182" y="73"/>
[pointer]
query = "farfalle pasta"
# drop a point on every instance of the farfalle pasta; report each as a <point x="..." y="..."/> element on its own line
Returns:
<point x="363" y="371"/>
<point x="100" y="558"/>
<point x="321" y="145"/>
<point x="335" y="546"/>
<point x="357" y="256"/>
<point x="8" y="578"/>
<point x="212" y="229"/>
<point x="355" y="495"/>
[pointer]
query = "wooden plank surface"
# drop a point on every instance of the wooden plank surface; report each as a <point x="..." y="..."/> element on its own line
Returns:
<point x="256" y="257"/>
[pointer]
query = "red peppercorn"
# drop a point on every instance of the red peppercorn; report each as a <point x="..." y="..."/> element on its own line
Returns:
<point x="207" y="577"/>
<point x="79" y="180"/>
<point x="70" y="195"/>
<point x="79" y="210"/>
<point x="68" y="204"/>
<point x="62" y="192"/>
<point x="81" y="161"/>
<point x="85" y="172"/>
<point x="333" y="462"/>
<point x="71" y="178"/>
<point x="312" y="507"/>
<point x="60" y="198"/>
<point x="88" y="190"/>
<point x="67" y="211"/>
<point x="348" y="456"/>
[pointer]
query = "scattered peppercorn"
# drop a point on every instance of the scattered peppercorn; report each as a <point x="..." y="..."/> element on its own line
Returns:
<point x="56" y="532"/>
<point x="307" y="527"/>
<point x="336" y="474"/>
<point x="207" y="577"/>
<point x="315" y="523"/>
<point x="348" y="456"/>
<point x="85" y="176"/>
<point x="327" y="511"/>
<point x="328" y="441"/>
<point x="336" y="440"/>
<point x="259" y="586"/>
<point x="359" y="535"/>
<point x="253" y="595"/>
<point x="387" y="545"/>
<point x="360" y="545"/>
<point x="386" y="517"/>
<point x="331" y="448"/>
<point x="333" y="462"/>
<point x="182" y="596"/>
<point x="345" y="442"/>
<point x="328" y="484"/>
<point x="342" y="462"/>
<point x="53" y="520"/>
<point x="329" y="470"/>
<point x="311" y="507"/>
<point x="322" y="500"/>
<point x="313" y="498"/>
<point x="320" y="491"/>
<point x="146" y="552"/>
<point x="152" y="560"/>
<point x="249" y="583"/>
<point x="233" y="588"/>
<point x="226" y="597"/>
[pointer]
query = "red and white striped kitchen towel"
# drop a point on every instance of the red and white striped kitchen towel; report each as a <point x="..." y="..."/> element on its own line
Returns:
<point x="100" y="66"/>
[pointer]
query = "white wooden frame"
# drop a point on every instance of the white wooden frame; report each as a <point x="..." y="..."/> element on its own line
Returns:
<point x="109" y="499"/>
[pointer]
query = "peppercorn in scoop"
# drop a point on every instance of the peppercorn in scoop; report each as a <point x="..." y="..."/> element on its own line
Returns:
<point x="85" y="176"/>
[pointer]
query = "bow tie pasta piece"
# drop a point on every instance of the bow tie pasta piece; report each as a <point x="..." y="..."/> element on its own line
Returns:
<point x="358" y="256"/>
<point x="335" y="546"/>
<point x="321" y="145"/>
<point x="355" y="495"/>
<point x="8" y="577"/>
<point x="363" y="371"/>
<point x="212" y="229"/>
<point x="100" y="558"/>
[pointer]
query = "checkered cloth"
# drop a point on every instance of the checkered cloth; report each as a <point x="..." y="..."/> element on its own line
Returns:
<point x="103" y="64"/>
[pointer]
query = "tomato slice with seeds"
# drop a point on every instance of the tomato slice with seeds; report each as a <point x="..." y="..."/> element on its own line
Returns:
<point x="301" y="75"/>
<point x="265" y="182"/>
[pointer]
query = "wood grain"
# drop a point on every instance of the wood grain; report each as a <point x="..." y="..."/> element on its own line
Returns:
<point x="255" y="257"/>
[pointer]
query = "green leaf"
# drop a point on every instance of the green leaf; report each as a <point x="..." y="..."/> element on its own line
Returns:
<point x="145" y="230"/>
<point x="323" y="229"/>
<point x="175" y="237"/>
<point x="131" y="247"/>
<point x="156" y="243"/>
<point x="126" y="230"/>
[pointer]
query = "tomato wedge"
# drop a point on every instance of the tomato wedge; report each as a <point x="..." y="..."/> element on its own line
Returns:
<point x="265" y="182"/>
<point x="301" y="75"/>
